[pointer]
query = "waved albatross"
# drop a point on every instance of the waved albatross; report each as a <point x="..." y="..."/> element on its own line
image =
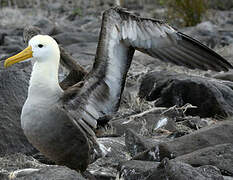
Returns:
<point x="60" y="123"/>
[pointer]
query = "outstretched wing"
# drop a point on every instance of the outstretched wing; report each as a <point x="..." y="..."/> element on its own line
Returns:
<point x="121" y="33"/>
<point x="160" y="40"/>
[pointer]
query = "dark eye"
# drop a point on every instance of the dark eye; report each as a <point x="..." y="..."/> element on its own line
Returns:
<point x="40" y="45"/>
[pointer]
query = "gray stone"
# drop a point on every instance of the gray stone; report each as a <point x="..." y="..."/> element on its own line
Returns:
<point x="115" y="152"/>
<point x="68" y="38"/>
<point x="223" y="5"/>
<point x="219" y="156"/>
<point x="13" y="162"/>
<point x="52" y="172"/>
<point x="206" y="28"/>
<point x="21" y="167"/>
<point x="152" y="154"/>
<point x="219" y="133"/>
<point x="13" y="87"/>
<point x="176" y="170"/>
<point x="197" y="122"/>
<point x="114" y="147"/>
<point x="104" y="168"/>
<point x="227" y="178"/>
<point x="46" y="25"/>
<point x="227" y="76"/>
<point x="147" y="122"/>
<point x="136" y="170"/>
<point x="136" y="143"/>
<point x="2" y="38"/>
<point x="212" y="98"/>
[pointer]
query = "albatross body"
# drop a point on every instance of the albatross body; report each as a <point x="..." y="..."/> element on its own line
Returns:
<point x="60" y="123"/>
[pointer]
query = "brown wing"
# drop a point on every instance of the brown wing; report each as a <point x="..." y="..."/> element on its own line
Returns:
<point x="121" y="33"/>
<point x="160" y="40"/>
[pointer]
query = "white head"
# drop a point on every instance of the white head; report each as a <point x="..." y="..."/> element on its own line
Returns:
<point x="41" y="48"/>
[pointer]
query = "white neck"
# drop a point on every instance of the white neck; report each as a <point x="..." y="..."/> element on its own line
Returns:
<point x="44" y="83"/>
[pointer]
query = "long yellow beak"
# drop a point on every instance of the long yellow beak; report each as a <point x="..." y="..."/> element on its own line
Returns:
<point x="23" y="55"/>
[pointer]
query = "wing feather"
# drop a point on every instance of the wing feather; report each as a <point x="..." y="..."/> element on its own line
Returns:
<point x="155" y="38"/>
<point x="121" y="34"/>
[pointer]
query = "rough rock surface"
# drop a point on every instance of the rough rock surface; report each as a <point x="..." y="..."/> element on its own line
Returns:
<point x="77" y="30"/>
<point x="136" y="170"/>
<point x="212" y="135"/>
<point x="147" y="122"/>
<point x="180" y="171"/>
<point x="13" y="88"/>
<point x="21" y="167"/>
<point x="136" y="143"/>
<point x="219" y="156"/>
<point x="115" y="152"/>
<point x="212" y="97"/>
<point x="58" y="172"/>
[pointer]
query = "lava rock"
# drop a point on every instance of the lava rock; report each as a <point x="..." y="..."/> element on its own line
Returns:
<point x="136" y="170"/>
<point x="113" y="147"/>
<point x="2" y="37"/>
<point x="46" y="25"/>
<point x="146" y="123"/>
<point x="53" y="172"/>
<point x="21" y="167"/>
<point x="219" y="133"/>
<point x="104" y="168"/>
<point x="224" y="5"/>
<point x="176" y="170"/>
<point x="211" y="97"/>
<point x="152" y="154"/>
<point x="227" y="76"/>
<point x="114" y="152"/>
<point x="13" y="88"/>
<point x="219" y="156"/>
<point x="197" y="122"/>
<point x="68" y="38"/>
<point x="206" y="28"/>
<point x="136" y="143"/>
<point x="227" y="178"/>
<point x="13" y="162"/>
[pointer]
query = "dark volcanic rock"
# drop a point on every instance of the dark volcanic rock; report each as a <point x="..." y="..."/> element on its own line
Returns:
<point x="75" y="37"/>
<point x="136" y="143"/>
<point x="223" y="5"/>
<point x="176" y="170"/>
<point x="2" y="37"/>
<point x="13" y="88"/>
<point x="53" y="172"/>
<point x="211" y="97"/>
<point x="197" y="122"/>
<point x="114" y="147"/>
<point x="147" y="122"/>
<point x="152" y="154"/>
<point x="115" y="152"/>
<point x="46" y="25"/>
<point x="209" y="136"/>
<point x="104" y="168"/>
<point x="227" y="178"/>
<point x="206" y="137"/>
<point x="22" y="167"/>
<point x="228" y="76"/>
<point x="136" y="170"/>
<point x="219" y="156"/>
<point x="17" y="161"/>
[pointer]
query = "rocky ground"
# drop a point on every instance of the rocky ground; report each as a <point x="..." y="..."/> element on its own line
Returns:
<point x="178" y="130"/>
